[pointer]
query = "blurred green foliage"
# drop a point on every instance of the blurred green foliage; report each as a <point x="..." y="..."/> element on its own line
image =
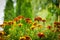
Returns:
<point x="9" y="11"/>
<point x="24" y="8"/>
<point x="29" y="8"/>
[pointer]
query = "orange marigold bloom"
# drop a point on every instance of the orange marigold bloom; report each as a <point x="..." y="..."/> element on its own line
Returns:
<point x="20" y="17"/>
<point x="38" y="19"/>
<point x="28" y="20"/>
<point x="40" y="35"/>
<point x="10" y="22"/>
<point x="16" y="19"/>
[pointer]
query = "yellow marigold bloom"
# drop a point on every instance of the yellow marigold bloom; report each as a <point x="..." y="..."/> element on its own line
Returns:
<point x="22" y="38"/>
<point x="28" y="38"/>
<point x="20" y="24"/>
<point x="40" y="26"/>
<point x="32" y="27"/>
<point x="14" y="22"/>
<point x="43" y="20"/>
<point x="2" y="33"/>
<point x="34" y="23"/>
<point x="16" y="19"/>
<point x="29" y="21"/>
<point x="14" y="25"/>
<point x="25" y="38"/>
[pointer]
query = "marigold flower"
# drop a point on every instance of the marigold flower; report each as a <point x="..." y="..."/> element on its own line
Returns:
<point x="58" y="26"/>
<point x="40" y="35"/>
<point x="5" y="22"/>
<point x="58" y="30"/>
<point x="28" y="20"/>
<point x="38" y="19"/>
<point x="10" y="22"/>
<point x="40" y="26"/>
<point x="2" y="33"/>
<point x="58" y="23"/>
<point x="20" y="24"/>
<point x="27" y="38"/>
<point x="49" y="27"/>
<point x="20" y="17"/>
<point x="43" y="20"/>
<point x="22" y="38"/>
<point x="16" y="19"/>
<point x="55" y="23"/>
<point x="32" y="27"/>
<point x="2" y="25"/>
<point x="35" y="24"/>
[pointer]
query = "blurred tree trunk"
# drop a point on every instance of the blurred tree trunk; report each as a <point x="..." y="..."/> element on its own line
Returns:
<point x="24" y="8"/>
<point x="9" y="10"/>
